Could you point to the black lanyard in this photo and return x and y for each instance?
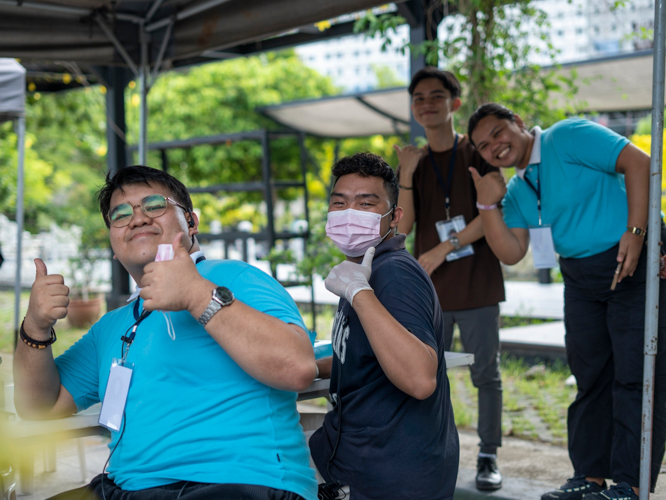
(446, 188)
(128, 339)
(537, 190)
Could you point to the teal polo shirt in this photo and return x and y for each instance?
(192, 413)
(582, 197)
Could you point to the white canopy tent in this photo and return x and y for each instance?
(12, 107)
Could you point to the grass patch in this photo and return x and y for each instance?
(538, 402)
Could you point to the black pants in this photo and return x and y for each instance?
(182, 489)
(604, 341)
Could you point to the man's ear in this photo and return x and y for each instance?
(397, 215)
(519, 121)
(456, 104)
(193, 224)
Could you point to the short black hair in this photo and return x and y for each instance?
(369, 165)
(138, 174)
(489, 109)
(447, 78)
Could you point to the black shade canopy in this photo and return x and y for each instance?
(179, 32)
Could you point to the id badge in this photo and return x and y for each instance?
(444, 230)
(543, 247)
(115, 397)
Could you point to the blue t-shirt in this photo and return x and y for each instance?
(192, 413)
(582, 197)
(392, 445)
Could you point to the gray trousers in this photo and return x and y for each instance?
(479, 332)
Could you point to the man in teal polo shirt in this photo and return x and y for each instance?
(582, 191)
(201, 401)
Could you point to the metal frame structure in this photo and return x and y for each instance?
(266, 185)
(654, 228)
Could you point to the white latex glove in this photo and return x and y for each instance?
(347, 278)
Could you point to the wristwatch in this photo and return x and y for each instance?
(222, 297)
(453, 239)
(638, 231)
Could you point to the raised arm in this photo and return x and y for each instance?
(509, 245)
(38, 393)
(409, 157)
(409, 363)
(276, 353)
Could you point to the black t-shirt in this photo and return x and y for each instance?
(392, 445)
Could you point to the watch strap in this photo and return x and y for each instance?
(638, 231)
(213, 307)
(455, 242)
(216, 303)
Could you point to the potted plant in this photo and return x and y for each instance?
(85, 302)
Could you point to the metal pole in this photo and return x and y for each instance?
(268, 186)
(143, 111)
(304, 173)
(19, 223)
(654, 232)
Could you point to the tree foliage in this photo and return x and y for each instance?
(490, 45)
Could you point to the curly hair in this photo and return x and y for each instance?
(369, 165)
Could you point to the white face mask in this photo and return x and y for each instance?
(354, 231)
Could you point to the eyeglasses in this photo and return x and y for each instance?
(152, 206)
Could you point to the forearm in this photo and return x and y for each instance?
(36, 381)
(406, 202)
(277, 354)
(408, 363)
(473, 232)
(325, 365)
(506, 246)
(637, 183)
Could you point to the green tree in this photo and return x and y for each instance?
(223, 98)
(489, 45)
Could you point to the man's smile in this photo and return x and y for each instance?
(141, 234)
(503, 153)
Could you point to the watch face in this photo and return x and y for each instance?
(224, 295)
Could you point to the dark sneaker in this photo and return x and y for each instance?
(574, 489)
(488, 476)
(619, 491)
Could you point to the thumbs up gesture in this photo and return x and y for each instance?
(49, 299)
(490, 188)
(347, 278)
(169, 285)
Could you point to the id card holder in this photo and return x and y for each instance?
(115, 396)
(543, 247)
(444, 230)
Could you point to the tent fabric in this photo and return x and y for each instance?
(620, 83)
(359, 115)
(12, 89)
(38, 34)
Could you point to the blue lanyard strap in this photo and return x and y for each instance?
(446, 188)
(537, 191)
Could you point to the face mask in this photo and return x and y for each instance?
(354, 231)
(165, 252)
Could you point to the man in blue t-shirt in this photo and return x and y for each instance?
(581, 190)
(391, 433)
(213, 352)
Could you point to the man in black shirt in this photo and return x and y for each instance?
(391, 433)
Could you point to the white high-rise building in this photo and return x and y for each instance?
(579, 30)
(353, 61)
